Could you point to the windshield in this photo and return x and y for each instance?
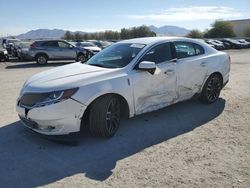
(24, 44)
(116, 56)
(87, 44)
(104, 43)
(13, 40)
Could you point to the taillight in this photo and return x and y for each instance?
(33, 45)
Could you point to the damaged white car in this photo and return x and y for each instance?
(126, 79)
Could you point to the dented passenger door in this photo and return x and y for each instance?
(192, 69)
(157, 90)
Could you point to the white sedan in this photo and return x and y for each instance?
(126, 79)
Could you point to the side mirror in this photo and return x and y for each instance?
(147, 66)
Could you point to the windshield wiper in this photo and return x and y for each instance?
(97, 65)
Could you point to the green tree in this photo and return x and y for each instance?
(68, 36)
(78, 37)
(220, 29)
(136, 32)
(195, 33)
(125, 34)
(247, 32)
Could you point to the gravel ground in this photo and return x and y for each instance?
(186, 145)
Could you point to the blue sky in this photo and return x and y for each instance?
(18, 16)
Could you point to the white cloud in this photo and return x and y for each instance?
(192, 13)
(9, 31)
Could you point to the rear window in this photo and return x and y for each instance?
(188, 49)
(199, 50)
(49, 43)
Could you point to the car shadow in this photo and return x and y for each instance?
(30, 161)
(22, 65)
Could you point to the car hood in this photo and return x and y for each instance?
(94, 48)
(65, 77)
(24, 49)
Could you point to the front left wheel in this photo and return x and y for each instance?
(104, 117)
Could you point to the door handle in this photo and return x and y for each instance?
(203, 64)
(169, 72)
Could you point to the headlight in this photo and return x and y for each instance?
(31, 100)
(5, 52)
(56, 96)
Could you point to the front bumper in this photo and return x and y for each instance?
(24, 56)
(3, 56)
(56, 119)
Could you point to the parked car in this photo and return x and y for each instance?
(226, 44)
(89, 46)
(3, 54)
(14, 48)
(204, 41)
(44, 50)
(244, 42)
(9, 43)
(128, 78)
(101, 44)
(216, 45)
(23, 50)
(234, 43)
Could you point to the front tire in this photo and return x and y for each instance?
(212, 88)
(104, 118)
(81, 58)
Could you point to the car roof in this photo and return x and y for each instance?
(149, 40)
(45, 40)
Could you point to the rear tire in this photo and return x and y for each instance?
(211, 90)
(104, 117)
(41, 59)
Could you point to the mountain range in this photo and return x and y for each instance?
(169, 30)
(166, 30)
(44, 33)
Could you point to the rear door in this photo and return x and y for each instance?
(191, 68)
(50, 48)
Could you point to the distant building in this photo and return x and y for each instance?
(240, 26)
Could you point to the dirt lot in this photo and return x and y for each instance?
(186, 145)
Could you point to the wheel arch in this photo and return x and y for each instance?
(206, 78)
(124, 110)
(80, 53)
(217, 73)
(41, 53)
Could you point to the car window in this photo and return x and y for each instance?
(158, 54)
(62, 44)
(188, 49)
(50, 44)
(199, 50)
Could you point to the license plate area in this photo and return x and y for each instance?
(29, 123)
